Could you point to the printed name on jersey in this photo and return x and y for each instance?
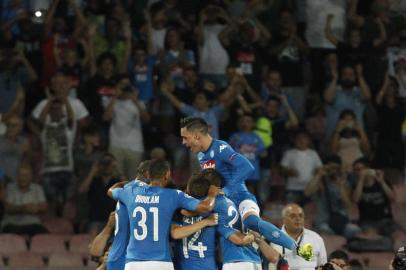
(146, 199)
(222, 147)
(210, 164)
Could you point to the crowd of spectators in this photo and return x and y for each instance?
(311, 92)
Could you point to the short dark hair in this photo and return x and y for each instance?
(158, 169)
(198, 186)
(106, 56)
(194, 124)
(142, 168)
(362, 160)
(215, 178)
(347, 112)
(339, 254)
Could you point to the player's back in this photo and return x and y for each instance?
(150, 211)
(197, 251)
(221, 156)
(229, 222)
(117, 252)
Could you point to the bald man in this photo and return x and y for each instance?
(293, 225)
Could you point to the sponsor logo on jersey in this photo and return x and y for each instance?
(210, 164)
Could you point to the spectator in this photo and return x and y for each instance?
(14, 147)
(84, 156)
(176, 58)
(251, 146)
(355, 264)
(57, 138)
(299, 164)
(15, 73)
(340, 258)
(126, 111)
(331, 193)
(315, 125)
(201, 106)
(357, 50)
(396, 56)
(141, 71)
(272, 87)
(213, 58)
(346, 95)
(102, 175)
(350, 141)
(100, 87)
(155, 27)
(373, 195)
(391, 113)
(24, 201)
(293, 225)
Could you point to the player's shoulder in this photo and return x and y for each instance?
(135, 183)
(219, 146)
(223, 202)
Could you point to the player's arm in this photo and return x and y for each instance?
(98, 245)
(207, 204)
(179, 232)
(240, 164)
(241, 239)
(271, 254)
(116, 186)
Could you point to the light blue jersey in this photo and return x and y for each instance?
(233, 166)
(150, 211)
(230, 223)
(197, 251)
(116, 257)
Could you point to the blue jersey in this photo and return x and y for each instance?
(250, 146)
(230, 223)
(197, 251)
(116, 257)
(150, 211)
(234, 167)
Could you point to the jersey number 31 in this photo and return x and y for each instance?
(142, 232)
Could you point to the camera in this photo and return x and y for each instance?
(399, 262)
(327, 266)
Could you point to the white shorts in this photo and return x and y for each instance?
(242, 266)
(149, 265)
(248, 206)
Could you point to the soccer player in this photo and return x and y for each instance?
(150, 210)
(235, 169)
(120, 224)
(199, 250)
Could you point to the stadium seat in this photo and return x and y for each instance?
(79, 243)
(64, 260)
(58, 226)
(333, 242)
(12, 243)
(46, 244)
(25, 259)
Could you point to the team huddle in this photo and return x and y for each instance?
(215, 205)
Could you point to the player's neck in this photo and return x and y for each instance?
(155, 183)
(206, 142)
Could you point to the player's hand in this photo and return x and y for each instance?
(213, 191)
(249, 239)
(212, 220)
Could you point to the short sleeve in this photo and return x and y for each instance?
(185, 201)
(38, 109)
(187, 109)
(79, 109)
(118, 194)
(286, 159)
(317, 160)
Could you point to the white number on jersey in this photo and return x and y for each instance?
(116, 219)
(232, 212)
(192, 246)
(143, 232)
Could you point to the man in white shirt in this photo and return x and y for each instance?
(293, 225)
(299, 165)
(126, 111)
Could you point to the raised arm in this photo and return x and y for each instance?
(356, 196)
(382, 92)
(315, 183)
(365, 91)
(167, 89)
(207, 204)
(179, 232)
(293, 121)
(327, 30)
(382, 33)
(330, 92)
(49, 19)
